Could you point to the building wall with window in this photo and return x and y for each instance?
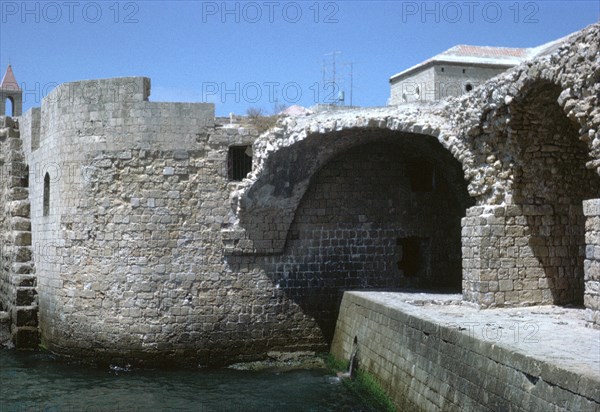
(416, 88)
(440, 80)
(457, 79)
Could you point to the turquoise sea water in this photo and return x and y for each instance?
(38, 382)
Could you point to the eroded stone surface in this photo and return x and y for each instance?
(147, 251)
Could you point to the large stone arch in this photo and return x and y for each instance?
(363, 221)
(539, 125)
(549, 185)
(374, 218)
(286, 160)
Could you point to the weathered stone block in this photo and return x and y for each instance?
(25, 316)
(22, 238)
(26, 338)
(591, 207)
(20, 208)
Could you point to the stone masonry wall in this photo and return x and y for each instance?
(130, 255)
(500, 267)
(18, 295)
(429, 361)
(114, 255)
(361, 225)
(591, 209)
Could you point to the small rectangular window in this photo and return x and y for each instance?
(239, 162)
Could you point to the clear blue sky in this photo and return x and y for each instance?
(256, 53)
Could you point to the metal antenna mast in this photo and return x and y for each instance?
(333, 79)
(351, 75)
(337, 81)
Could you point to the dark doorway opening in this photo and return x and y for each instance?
(411, 256)
(239, 162)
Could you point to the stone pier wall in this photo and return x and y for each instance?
(445, 357)
(591, 209)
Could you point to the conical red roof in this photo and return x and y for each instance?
(8, 81)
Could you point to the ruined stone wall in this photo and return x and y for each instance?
(537, 130)
(529, 148)
(531, 250)
(18, 294)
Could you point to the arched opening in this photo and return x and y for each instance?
(550, 183)
(9, 107)
(46, 204)
(385, 215)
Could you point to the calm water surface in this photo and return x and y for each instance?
(38, 382)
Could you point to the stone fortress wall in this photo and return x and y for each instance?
(145, 250)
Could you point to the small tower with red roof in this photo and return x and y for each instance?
(10, 91)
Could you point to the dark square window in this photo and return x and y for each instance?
(411, 260)
(239, 162)
(421, 175)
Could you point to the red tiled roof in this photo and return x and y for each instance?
(485, 51)
(8, 81)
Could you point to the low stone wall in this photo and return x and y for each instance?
(450, 357)
(591, 209)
